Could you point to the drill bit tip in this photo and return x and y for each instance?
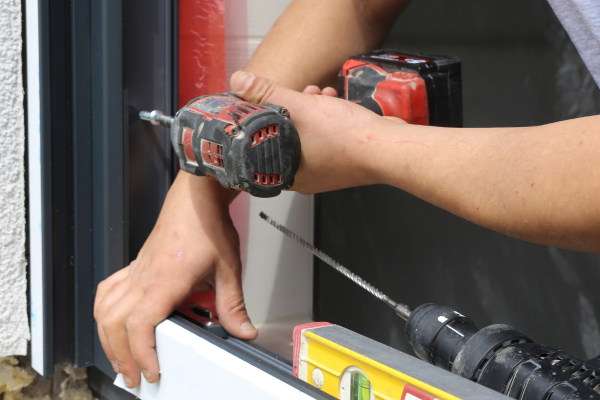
(401, 309)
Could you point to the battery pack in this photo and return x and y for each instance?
(421, 89)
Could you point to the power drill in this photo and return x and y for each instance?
(245, 146)
(497, 356)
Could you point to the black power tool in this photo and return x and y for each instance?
(499, 357)
(244, 146)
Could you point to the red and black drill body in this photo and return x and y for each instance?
(245, 146)
(421, 89)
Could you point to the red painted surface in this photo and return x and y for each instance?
(297, 336)
(201, 67)
(410, 393)
(212, 154)
(204, 300)
(351, 64)
(188, 134)
(264, 134)
(225, 108)
(201, 48)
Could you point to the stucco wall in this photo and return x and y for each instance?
(14, 328)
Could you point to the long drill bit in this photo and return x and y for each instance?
(401, 309)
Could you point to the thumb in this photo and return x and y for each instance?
(258, 90)
(229, 301)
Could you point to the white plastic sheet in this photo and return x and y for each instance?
(193, 368)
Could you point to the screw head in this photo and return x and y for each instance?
(234, 131)
(240, 186)
(284, 112)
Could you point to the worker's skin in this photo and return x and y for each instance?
(540, 184)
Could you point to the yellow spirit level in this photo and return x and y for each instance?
(350, 366)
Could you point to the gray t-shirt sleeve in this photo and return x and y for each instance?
(581, 20)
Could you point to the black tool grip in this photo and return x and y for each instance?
(499, 357)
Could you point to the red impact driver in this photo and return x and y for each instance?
(242, 145)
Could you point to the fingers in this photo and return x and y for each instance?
(101, 309)
(106, 285)
(108, 291)
(230, 305)
(329, 91)
(258, 90)
(312, 89)
(158, 303)
(126, 320)
(315, 90)
(113, 325)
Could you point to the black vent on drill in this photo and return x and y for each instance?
(241, 110)
(266, 156)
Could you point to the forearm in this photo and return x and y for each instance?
(540, 184)
(313, 38)
(202, 190)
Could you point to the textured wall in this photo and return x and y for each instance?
(14, 329)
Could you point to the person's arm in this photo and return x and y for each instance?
(540, 184)
(194, 246)
(313, 38)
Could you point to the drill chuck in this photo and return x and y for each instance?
(156, 118)
(499, 357)
(438, 333)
